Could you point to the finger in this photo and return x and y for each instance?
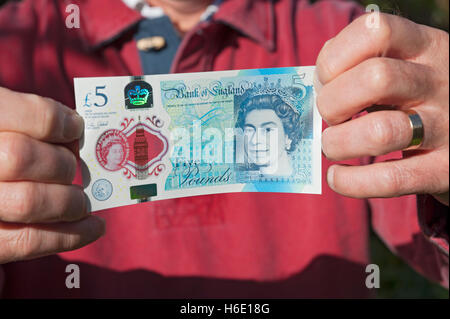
(24, 158)
(379, 81)
(27, 202)
(419, 174)
(370, 135)
(74, 147)
(21, 242)
(395, 37)
(38, 117)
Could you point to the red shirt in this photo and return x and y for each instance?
(230, 245)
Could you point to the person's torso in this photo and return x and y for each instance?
(228, 245)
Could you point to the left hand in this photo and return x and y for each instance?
(401, 64)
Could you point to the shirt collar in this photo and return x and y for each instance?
(253, 18)
(156, 12)
(103, 21)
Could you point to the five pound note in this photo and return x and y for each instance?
(167, 136)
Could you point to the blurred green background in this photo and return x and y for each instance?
(430, 12)
(398, 280)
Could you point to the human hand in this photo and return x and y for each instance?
(400, 64)
(41, 213)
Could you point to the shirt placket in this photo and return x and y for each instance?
(196, 51)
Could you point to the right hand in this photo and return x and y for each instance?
(41, 212)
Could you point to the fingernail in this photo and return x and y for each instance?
(330, 177)
(87, 204)
(316, 82)
(73, 126)
(323, 144)
(101, 224)
(97, 228)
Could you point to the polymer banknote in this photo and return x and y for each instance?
(158, 137)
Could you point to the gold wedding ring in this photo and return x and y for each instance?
(418, 131)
